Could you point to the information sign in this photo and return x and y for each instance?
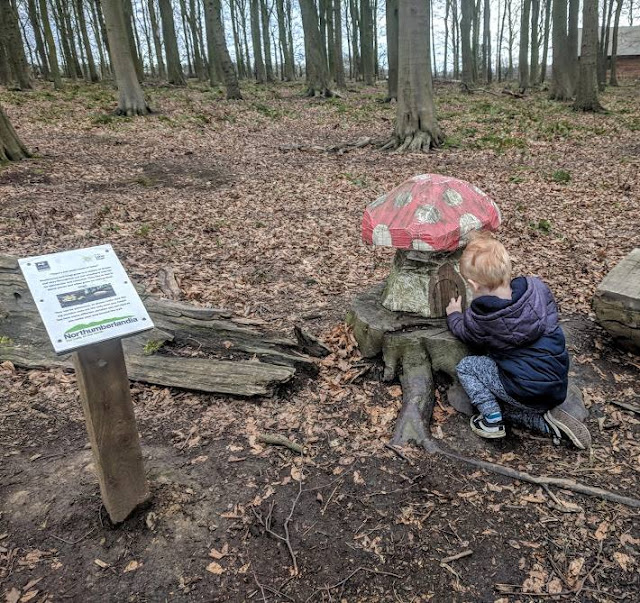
(84, 296)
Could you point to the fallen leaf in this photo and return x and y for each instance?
(555, 586)
(215, 568)
(131, 566)
(31, 584)
(601, 532)
(357, 479)
(296, 473)
(629, 539)
(215, 554)
(623, 560)
(100, 563)
(13, 596)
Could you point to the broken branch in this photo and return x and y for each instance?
(278, 440)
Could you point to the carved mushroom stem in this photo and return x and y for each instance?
(417, 393)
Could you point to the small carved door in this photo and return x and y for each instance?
(445, 285)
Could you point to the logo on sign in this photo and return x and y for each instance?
(85, 329)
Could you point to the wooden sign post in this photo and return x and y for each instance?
(88, 304)
(108, 411)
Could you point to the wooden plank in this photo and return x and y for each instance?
(111, 424)
(236, 377)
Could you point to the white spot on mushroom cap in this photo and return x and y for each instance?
(403, 199)
(377, 203)
(427, 214)
(452, 197)
(381, 236)
(421, 178)
(469, 222)
(479, 191)
(420, 245)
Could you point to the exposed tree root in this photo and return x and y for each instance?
(336, 148)
(133, 111)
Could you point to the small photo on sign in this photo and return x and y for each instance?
(84, 296)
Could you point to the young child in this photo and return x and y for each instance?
(524, 376)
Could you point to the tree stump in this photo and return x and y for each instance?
(414, 348)
(617, 302)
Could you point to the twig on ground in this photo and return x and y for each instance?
(459, 555)
(351, 575)
(264, 597)
(72, 542)
(322, 512)
(506, 589)
(562, 483)
(399, 453)
(629, 407)
(266, 524)
(279, 440)
(561, 506)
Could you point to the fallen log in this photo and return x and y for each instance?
(247, 361)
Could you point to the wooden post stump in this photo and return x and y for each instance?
(413, 347)
(617, 302)
(108, 410)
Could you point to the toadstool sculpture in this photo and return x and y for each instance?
(427, 219)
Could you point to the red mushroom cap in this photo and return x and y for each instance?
(429, 212)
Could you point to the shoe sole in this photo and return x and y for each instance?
(571, 427)
(496, 435)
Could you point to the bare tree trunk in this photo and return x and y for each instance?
(475, 28)
(195, 35)
(155, 32)
(604, 43)
(289, 23)
(545, 42)
(131, 36)
(511, 21)
(103, 29)
(131, 98)
(523, 59)
(11, 148)
(455, 38)
(51, 45)
(535, 42)
(447, 10)
(587, 89)
(266, 40)
(188, 41)
(5, 69)
(614, 46)
(174, 68)
(84, 32)
(392, 48)
(317, 72)
(237, 42)
(218, 47)
(146, 28)
(327, 7)
(287, 72)
(366, 39)
(37, 35)
(499, 38)
(13, 44)
(486, 46)
(98, 37)
(467, 52)
(261, 74)
(417, 128)
(572, 42)
(337, 45)
(355, 39)
(561, 88)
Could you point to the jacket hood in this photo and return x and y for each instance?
(530, 314)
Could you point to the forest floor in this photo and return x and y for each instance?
(207, 187)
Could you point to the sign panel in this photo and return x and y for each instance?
(84, 296)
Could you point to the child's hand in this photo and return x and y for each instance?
(455, 305)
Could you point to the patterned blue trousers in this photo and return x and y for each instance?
(480, 378)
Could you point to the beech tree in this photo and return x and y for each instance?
(561, 83)
(131, 99)
(523, 60)
(392, 49)
(317, 70)
(467, 51)
(217, 45)
(613, 78)
(260, 71)
(13, 46)
(174, 68)
(587, 89)
(11, 148)
(417, 128)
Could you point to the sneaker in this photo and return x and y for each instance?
(487, 430)
(562, 423)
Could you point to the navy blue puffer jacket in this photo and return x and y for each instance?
(524, 338)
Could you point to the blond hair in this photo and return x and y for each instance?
(486, 261)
